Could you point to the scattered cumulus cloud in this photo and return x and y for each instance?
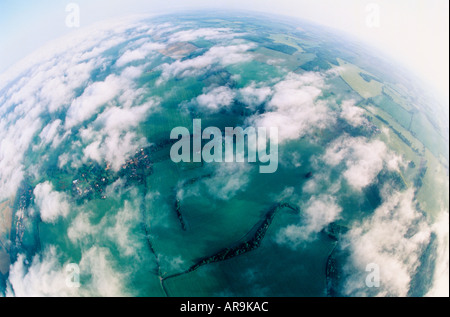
(51, 204)
(94, 96)
(228, 180)
(105, 280)
(114, 228)
(53, 134)
(440, 285)
(253, 96)
(317, 213)
(217, 55)
(205, 33)
(295, 108)
(138, 54)
(46, 275)
(216, 98)
(394, 239)
(15, 139)
(352, 114)
(363, 159)
(111, 139)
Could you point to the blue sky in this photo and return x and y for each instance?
(414, 32)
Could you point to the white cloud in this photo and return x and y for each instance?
(441, 274)
(102, 93)
(105, 281)
(116, 228)
(110, 137)
(319, 212)
(130, 73)
(322, 182)
(253, 96)
(139, 53)
(216, 98)
(393, 238)
(49, 132)
(15, 138)
(63, 159)
(53, 133)
(352, 114)
(159, 31)
(44, 277)
(123, 119)
(206, 33)
(316, 214)
(95, 95)
(114, 149)
(59, 89)
(80, 228)
(363, 159)
(217, 55)
(51, 204)
(295, 108)
(228, 180)
(125, 221)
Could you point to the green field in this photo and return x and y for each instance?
(351, 74)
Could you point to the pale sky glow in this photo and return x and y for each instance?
(413, 32)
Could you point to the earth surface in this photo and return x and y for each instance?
(357, 207)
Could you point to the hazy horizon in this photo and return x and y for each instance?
(413, 33)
